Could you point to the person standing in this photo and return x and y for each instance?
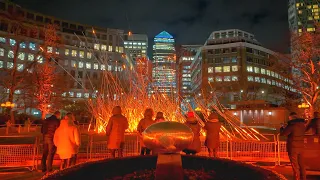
(74, 157)
(212, 127)
(314, 124)
(159, 117)
(67, 140)
(115, 131)
(143, 124)
(48, 129)
(295, 144)
(193, 124)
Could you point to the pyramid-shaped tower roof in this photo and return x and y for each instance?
(164, 34)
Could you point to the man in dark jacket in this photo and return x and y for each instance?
(295, 144)
(48, 129)
(315, 124)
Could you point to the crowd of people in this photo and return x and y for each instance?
(295, 131)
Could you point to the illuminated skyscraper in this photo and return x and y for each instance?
(164, 64)
(303, 14)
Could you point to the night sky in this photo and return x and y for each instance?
(189, 21)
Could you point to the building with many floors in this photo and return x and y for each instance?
(164, 64)
(85, 53)
(236, 67)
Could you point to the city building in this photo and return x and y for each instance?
(164, 64)
(303, 15)
(185, 56)
(236, 67)
(79, 55)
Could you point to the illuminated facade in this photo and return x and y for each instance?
(164, 64)
(303, 14)
(77, 56)
(236, 67)
(185, 55)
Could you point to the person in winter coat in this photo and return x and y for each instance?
(212, 127)
(314, 124)
(193, 124)
(143, 124)
(159, 117)
(115, 131)
(48, 129)
(295, 144)
(73, 159)
(67, 140)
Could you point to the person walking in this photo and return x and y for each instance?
(115, 131)
(159, 117)
(212, 127)
(48, 129)
(143, 124)
(295, 144)
(67, 140)
(314, 124)
(193, 124)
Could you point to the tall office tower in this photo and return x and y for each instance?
(303, 15)
(164, 65)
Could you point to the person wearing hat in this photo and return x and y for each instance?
(212, 127)
(193, 124)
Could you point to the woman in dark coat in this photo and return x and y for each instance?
(212, 126)
(193, 124)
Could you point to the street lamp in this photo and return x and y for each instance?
(8, 105)
(303, 106)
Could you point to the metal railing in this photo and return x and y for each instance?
(94, 147)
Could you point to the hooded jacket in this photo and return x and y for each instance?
(66, 139)
(193, 124)
(295, 131)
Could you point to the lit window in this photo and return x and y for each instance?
(218, 78)
(79, 95)
(30, 57)
(21, 56)
(103, 67)
(210, 69)
(71, 94)
(250, 78)
(88, 65)
(49, 49)
(103, 47)
(263, 80)
(234, 59)
(210, 79)
(1, 52)
(300, 30)
(9, 65)
(256, 70)
(40, 59)
(218, 69)
(12, 42)
(66, 52)
(249, 68)
(23, 45)
(316, 17)
(80, 64)
(20, 67)
(257, 79)
(86, 95)
(276, 75)
(234, 78)
(121, 50)
(32, 46)
(226, 68)
(315, 6)
(66, 62)
(74, 53)
(117, 49)
(1, 64)
(268, 72)
(234, 68)
(110, 48)
(10, 54)
(109, 68)
(73, 63)
(311, 29)
(81, 54)
(273, 82)
(227, 78)
(263, 71)
(95, 66)
(272, 73)
(2, 40)
(96, 46)
(89, 55)
(269, 81)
